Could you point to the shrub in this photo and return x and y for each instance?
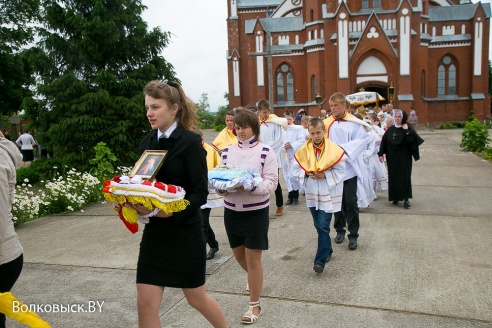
(453, 125)
(475, 136)
(487, 153)
(104, 159)
(58, 195)
(447, 126)
(220, 127)
(27, 174)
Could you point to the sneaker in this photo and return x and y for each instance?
(318, 268)
(339, 238)
(352, 244)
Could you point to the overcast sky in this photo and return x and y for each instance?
(198, 45)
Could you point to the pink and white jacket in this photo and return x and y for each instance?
(251, 154)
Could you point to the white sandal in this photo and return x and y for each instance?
(251, 318)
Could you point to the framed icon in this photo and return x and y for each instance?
(149, 164)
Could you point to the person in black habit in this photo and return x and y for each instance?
(400, 143)
(172, 250)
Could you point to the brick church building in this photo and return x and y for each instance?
(431, 56)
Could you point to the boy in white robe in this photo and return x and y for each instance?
(293, 139)
(320, 169)
(350, 133)
(271, 133)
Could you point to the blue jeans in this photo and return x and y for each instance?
(322, 224)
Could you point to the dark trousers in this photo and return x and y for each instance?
(207, 229)
(279, 198)
(9, 272)
(349, 215)
(294, 194)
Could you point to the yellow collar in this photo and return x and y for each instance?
(224, 139)
(330, 155)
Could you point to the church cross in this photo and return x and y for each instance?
(269, 53)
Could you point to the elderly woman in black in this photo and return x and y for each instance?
(172, 251)
(400, 143)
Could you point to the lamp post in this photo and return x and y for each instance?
(318, 102)
(391, 93)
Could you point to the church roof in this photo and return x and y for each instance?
(284, 24)
(451, 38)
(258, 3)
(458, 12)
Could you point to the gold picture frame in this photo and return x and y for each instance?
(149, 164)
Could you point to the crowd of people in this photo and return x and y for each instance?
(338, 160)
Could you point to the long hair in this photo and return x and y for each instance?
(173, 93)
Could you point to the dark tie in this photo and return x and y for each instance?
(164, 142)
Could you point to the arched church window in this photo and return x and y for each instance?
(376, 3)
(452, 80)
(441, 80)
(280, 88)
(447, 76)
(285, 83)
(365, 4)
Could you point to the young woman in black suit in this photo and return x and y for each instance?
(172, 251)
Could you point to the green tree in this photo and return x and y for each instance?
(221, 113)
(16, 31)
(93, 60)
(206, 119)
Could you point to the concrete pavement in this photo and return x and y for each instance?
(430, 266)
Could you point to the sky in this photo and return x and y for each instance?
(198, 44)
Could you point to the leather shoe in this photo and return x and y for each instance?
(406, 204)
(318, 268)
(339, 238)
(280, 211)
(296, 201)
(395, 202)
(211, 253)
(352, 244)
(288, 202)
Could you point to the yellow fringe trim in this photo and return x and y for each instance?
(28, 318)
(131, 215)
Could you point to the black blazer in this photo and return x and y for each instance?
(185, 165)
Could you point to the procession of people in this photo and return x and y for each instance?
(338, 161)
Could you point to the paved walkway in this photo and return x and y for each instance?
(430, 266)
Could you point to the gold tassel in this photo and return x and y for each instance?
(129, 214)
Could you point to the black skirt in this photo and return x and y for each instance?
(27, 155)
(172, 254)
(248, 228)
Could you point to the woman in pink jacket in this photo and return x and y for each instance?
(246, 212)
